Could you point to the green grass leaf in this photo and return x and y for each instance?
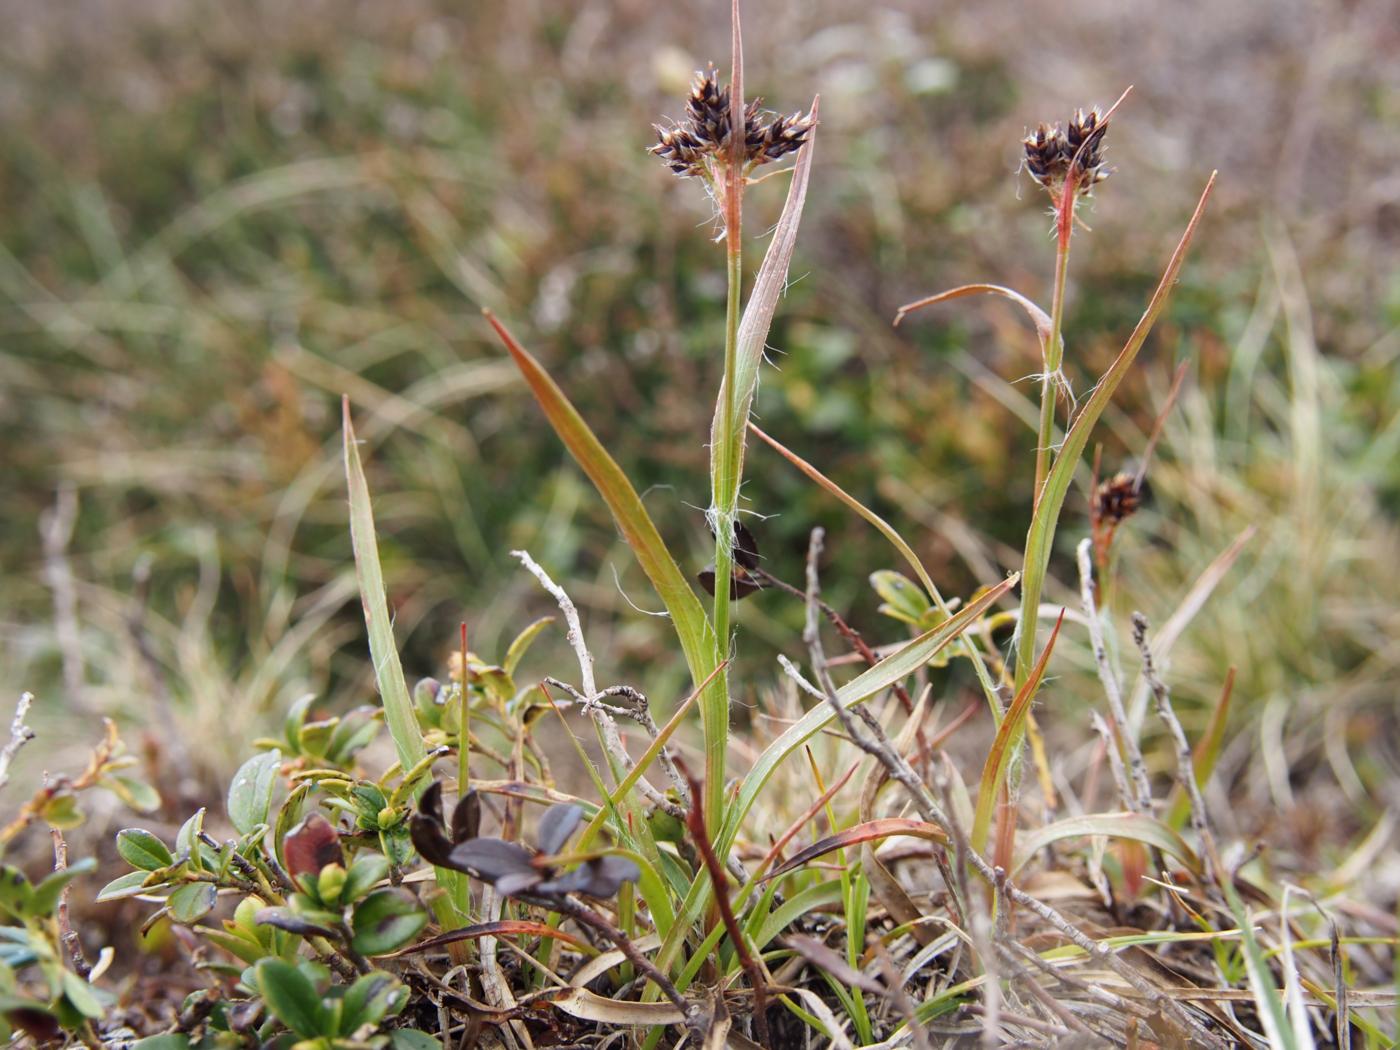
(687, 614)
(1041, 536)
(388, 672)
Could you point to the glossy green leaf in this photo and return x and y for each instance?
(15, 892)
(139, 848)
(290, 996)
(901, 597)
(413, 1039)
(187, 839)
(162, 1042)
(250, 792)
(386, 920)
(82, 996)
(136, 794)
(191, 902)
(370, 999)
(127, 885)
(366, 870)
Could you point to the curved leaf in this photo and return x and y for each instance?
(1038, 317)
(870, 831)
(1137, 827)
(1008, 735)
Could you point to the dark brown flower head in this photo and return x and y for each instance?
(1084, 139)
(1045, 155)
(780, 136)
(703, 138)
(707, 108)
(1119, 498)
(1051, 152)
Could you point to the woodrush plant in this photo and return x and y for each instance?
(684, 911)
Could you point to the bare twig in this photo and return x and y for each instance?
(1123, 736)
(588, 695)
(1115, 758)
(55, 531)
(20, 734)
(67, 934)
(1186, 766)
(1048, 1001)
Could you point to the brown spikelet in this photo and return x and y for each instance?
(1052, 152)
(1120, 497)
(702, 139)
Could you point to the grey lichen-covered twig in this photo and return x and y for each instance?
(1185, 764)
(588, 696)
(20, 734)
(55, 531)
(1122, 733)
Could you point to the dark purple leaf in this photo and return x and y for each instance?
(430, 804)
(576, 881)
(745, 547)
(607, 874)
(490, 859)
(425, 828)
(557, 824)
(35, 1022)
(466, 817)
(519, 882)
(311, 845)
(739, 586)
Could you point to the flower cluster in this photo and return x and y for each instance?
(1053, 152)
(688, 147)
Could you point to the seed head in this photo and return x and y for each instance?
(1119, 498)
(1052, 152)
(702, 139)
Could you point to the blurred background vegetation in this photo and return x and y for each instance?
(217, 218)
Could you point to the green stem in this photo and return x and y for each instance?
(724, 480)
(1033, 569)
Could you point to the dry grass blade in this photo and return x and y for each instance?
(1008, 735)
(768, 288)
(1186, 611)
(503, 928)
(1137, 827)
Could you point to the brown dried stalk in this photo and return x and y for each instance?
(695, 820)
